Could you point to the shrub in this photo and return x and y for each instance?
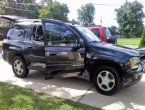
(142, 41)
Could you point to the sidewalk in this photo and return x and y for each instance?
(78, 90)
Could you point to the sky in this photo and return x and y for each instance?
(106, 12)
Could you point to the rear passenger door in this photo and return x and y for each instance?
(59, 53)
(35, 47)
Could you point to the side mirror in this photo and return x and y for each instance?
(81, 42)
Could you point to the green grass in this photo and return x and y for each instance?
(127, 41)
(17, 98)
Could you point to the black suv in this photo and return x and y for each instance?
(63, 49)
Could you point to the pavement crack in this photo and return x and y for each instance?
(84, 93)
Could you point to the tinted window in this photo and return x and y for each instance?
(59, 35)
(96, 32)
(17, 32)
(37, 33)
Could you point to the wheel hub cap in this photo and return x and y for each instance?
(18, 67)
(106, 80)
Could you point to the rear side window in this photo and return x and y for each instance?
(17, 32)
(37, 33)
(96, 32)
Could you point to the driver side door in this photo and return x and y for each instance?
(59, 48)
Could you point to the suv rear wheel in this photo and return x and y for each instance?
(107, 80)
(19, 67)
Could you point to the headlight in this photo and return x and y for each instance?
(134, 62)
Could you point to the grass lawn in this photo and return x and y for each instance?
(125, 41)
(17, 98)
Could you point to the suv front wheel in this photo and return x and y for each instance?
(107, 80)
(19, 67)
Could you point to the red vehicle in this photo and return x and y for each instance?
(103, 33)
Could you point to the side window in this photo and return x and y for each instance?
(59, 35)
(17, 32)
(37, 33)
(96, 32)
(107, 33)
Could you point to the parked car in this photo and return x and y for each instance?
(63, 50)
(103, 33)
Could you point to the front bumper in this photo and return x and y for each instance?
(132, 76)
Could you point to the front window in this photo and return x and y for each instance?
(89, 35)
(59, 35)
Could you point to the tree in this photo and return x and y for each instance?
(113, 30)
(73, 21)
(54, 10)
(130, 19)
(24, 8)
(142, 41)
(86, 14)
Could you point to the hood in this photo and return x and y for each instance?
(10, 18)
(119, 53)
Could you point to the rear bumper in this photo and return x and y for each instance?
(132, 76)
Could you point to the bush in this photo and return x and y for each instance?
(142, 41)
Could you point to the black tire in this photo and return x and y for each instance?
(115, 78)
(23, 66)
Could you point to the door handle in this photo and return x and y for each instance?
(29, 47)
(52, 54)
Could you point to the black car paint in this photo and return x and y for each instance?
(90, 52)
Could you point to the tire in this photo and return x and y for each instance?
(19, 67)
(107, 80)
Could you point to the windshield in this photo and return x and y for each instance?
(89, 35)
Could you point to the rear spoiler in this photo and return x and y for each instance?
(10, 18)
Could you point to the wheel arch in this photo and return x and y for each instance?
(100, 63)
(14, 54)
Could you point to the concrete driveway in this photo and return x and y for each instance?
(132, 98)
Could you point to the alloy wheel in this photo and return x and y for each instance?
(106, 80)
(18, 67)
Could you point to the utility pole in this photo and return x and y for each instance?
(126, 1)
(101, 20)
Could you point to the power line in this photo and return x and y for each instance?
(35, 4)
(20, 3)
(20, 9)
